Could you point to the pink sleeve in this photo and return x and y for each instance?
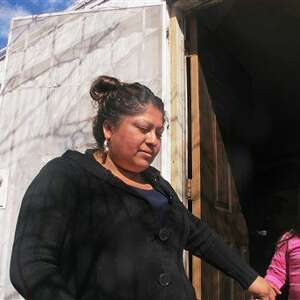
(276, 272)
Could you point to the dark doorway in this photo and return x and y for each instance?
(249, 53)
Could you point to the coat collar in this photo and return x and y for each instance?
(88, 162)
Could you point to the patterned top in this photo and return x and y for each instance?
(285, 265)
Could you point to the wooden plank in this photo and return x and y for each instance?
(177, 100)
(223, 200)
(178, 109)
(195, 116)
(195, 140)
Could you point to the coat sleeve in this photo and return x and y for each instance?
(206, 244)
(276, 272)
(44, 216)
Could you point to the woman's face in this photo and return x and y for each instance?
(135, 141)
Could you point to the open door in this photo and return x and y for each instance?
(214, 196)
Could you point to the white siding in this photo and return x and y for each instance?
(2, 63)
(45, 106)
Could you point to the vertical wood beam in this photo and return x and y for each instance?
(178, 117)
(178, 103)
(195, 140)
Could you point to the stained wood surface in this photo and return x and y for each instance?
(213, 193)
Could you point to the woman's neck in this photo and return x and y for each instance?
(128, 177)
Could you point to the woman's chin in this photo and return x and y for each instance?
(140, 165)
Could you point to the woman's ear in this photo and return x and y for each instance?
(107, 129)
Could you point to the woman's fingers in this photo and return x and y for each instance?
(262, 290)
(275, 288)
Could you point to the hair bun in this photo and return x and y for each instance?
(102, 86)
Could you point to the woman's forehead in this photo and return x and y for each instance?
(150, 113)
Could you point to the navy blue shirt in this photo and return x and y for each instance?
(157, 200)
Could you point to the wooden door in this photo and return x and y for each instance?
(214, 196)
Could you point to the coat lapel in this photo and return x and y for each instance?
(135, 205)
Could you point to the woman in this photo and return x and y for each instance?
(105, 225)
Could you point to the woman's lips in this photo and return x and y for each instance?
(149, 154)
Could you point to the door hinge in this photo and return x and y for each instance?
(189, 189)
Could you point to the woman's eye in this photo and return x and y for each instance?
(159, 134)
(143, 129)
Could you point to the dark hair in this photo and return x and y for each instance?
(294, 231)
(117, 99)
(292, 226)
(289, 234)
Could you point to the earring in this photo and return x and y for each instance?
(105, 146)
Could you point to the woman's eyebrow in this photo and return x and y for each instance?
(148, 123)
(145, 122)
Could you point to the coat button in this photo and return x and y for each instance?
(164, 234)
(164, 279)
(171, 198)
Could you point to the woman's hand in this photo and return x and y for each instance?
(261, 289)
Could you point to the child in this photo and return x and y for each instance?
(285, 264)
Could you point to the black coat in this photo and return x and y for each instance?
(84, 234)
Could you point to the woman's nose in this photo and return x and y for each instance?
(151, 138)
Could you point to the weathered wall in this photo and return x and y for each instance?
(2, 63)
(45, 106)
